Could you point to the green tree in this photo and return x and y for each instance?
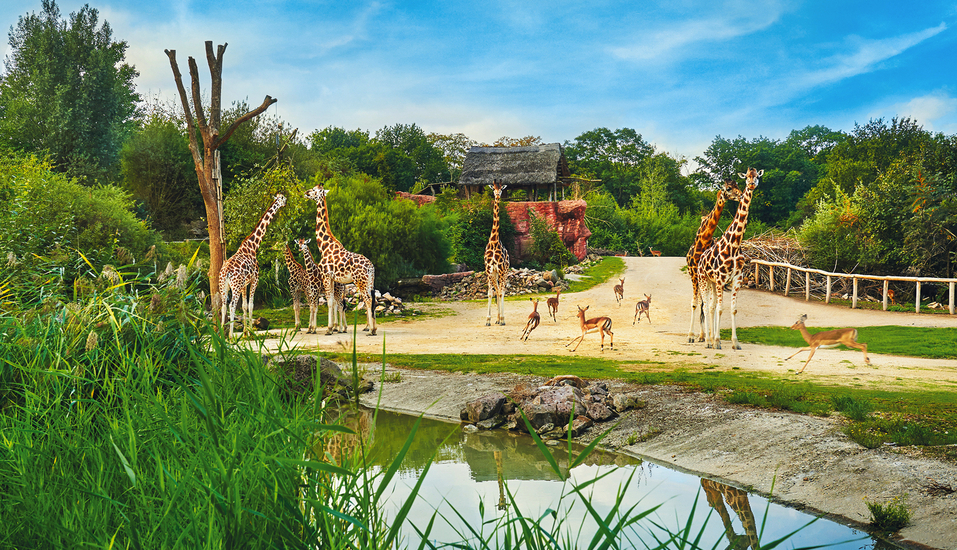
(411, 141)
(158, 170)
(454, 147)
(67, 91)
(616, 157)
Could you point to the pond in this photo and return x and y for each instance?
(479, 478)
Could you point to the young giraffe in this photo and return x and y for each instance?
(338, 265)
(496, 261)
(723, 264)
(241, 270)
(298, 283)
(702, 242)
(314, 290)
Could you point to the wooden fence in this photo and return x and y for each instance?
(853, 276)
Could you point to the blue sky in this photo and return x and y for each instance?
(679, 72)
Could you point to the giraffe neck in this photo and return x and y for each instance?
(711, 221)
(493, 237)
(307, 257)
(290, 258)
(251, 243)
(736, 229)
(325, 240)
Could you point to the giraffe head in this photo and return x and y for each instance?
(316, 193)
(279, 200)
(497, 188)
(751, 177)
(302, 243)
(730, 192)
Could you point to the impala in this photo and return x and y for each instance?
(827, 339)
(619, 292)
(600, 324)
(552, 304)
(533, 319)
(643, 307)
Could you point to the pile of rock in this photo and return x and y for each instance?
(548, 408)
(385, 304)
(520, 281)
(298, 373)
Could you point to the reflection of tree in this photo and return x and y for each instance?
(718, 494)
(502, 502)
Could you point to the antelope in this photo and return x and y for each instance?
(643, 307)
(654, 252)
(533, 319)
(601, 324)
(890, 296)
(619, 292)
(827, 339)
(553, 305)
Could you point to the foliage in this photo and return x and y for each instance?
(614, 157)
(547, 246)
(471, 226)
(158, 170)
(67, 91)
(454, 147)
(47, 217)
(857, 410)
(890, 516)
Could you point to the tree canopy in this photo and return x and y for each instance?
(67, 91)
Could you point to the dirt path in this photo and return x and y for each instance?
(809, 459)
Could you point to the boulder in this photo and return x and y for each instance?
(484, 407)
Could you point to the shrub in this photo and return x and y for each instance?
(852, 408)
(890, 516)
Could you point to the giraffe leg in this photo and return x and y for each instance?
(719, 305)
(736, 285)
(331, 304)
(233, 302)
(295, 308)
(248, 315)
(223, 304)
(491, 293)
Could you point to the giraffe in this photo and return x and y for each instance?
(719, 493)
(241, 270)
(314, 290)
(298, 283)
(702, 242)
(723, 264)
(496, 261)
(338, 265)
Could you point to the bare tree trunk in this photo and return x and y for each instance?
(209, 186)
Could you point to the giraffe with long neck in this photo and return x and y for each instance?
(723, 264)
(241, 270)
(496, 261)
(298, 282)
(338, 265)
(314, 290)
(702, 241)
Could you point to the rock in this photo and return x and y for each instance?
(485, 407)
(625, 401)
(580, 425)
(599, 412)
(470, 428)
(299, 373)
(492, 423)
(537, 414)
(261, 323)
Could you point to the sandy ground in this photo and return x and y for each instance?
(808, 460)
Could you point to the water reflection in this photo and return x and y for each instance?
(472, 471)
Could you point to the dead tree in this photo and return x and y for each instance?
(207, 160)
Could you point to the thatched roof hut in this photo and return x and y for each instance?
(534, 168)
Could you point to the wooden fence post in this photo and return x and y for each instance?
(827, 297)
(854, 298)
(787, 285)
(917, 299)
(807, 286)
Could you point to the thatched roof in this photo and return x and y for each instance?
(518, 166)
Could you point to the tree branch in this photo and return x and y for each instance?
(198, 99)
(255, 112)
(190, 125)
(215, 63)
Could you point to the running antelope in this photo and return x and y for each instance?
(643, 307)
(827, 339)
(533, 319)
(600, 324)
(553, 305)
(619, 292)
(655, 253)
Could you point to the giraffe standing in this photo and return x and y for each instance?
(298, 283)
(314, 290)
(241, 270)
(496, 261)
(723, 264)
(702, 242)
(338, 265)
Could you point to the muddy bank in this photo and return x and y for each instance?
(809, 461)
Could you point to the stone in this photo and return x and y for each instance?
(625, 401)
(485, 407)
(580, 425)
(599, 412)
(491, 423)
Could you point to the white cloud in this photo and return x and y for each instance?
(656, 43)
(936, 112)
(866, 56)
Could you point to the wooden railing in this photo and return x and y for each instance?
(853, 276)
